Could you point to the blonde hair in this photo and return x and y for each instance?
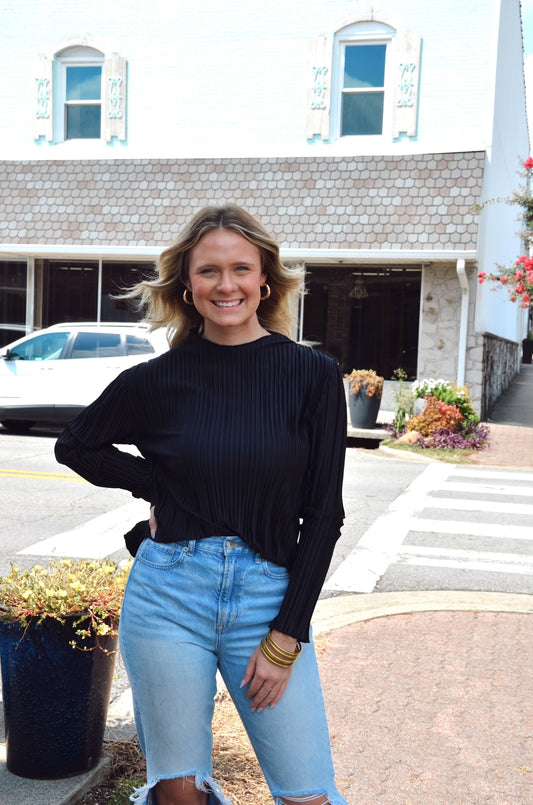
(162, 297)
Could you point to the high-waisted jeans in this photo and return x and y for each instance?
(193, 607)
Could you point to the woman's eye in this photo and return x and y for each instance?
(242, 268)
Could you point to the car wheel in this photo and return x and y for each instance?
(17, 425)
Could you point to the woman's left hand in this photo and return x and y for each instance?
(267, 681)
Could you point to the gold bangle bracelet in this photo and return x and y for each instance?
(283, 652)
(282, 663)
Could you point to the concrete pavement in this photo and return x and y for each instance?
(429, 694)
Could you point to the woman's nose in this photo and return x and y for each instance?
(226, 281)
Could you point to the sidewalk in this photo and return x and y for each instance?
(511, 425)
(429, 694)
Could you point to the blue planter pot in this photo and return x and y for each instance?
(363, 409)
(55, 698)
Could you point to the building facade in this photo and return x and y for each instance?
(361, 134)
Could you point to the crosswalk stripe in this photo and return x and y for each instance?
(496, 530)
(503, 475)
(471, 505)
(465, 560)
(489, 489)
(95, 539)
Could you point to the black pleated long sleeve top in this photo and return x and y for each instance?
(244, 441)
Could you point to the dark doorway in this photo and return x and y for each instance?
(367, 318)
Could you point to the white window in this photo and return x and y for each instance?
(363, 89)
(363, 82)
(79, 99)
(363, 59)
(80, 95)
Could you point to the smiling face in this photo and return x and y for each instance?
(225, 277)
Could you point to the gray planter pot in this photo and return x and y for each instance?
(363, 409)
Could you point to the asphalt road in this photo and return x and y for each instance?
(409, 525)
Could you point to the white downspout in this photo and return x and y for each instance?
(463, 322)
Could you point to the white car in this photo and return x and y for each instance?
(50, 375)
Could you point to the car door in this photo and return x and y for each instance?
(93, 360)
(27, 375)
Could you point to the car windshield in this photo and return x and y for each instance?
(46, 347)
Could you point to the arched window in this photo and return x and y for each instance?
(363, 59)
(80, 95)
(364, 83)
(79, 100)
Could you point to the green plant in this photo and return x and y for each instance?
(437, 415)
(366, 379)
(90, 589)
(404, 399)
(449, 393)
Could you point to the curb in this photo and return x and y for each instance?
(343, 610)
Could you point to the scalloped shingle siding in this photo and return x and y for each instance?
(367, 202)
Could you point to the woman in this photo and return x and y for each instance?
(242, 436)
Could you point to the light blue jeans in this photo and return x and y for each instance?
(194, 606)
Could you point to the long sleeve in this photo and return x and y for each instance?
(87, 445)
(322, 513)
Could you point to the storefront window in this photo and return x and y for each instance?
(13, 278)
(116, 279)
(367, 318)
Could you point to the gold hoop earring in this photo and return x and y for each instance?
(267, 294)
(186, 299)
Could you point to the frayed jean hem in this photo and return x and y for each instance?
(301, 798)
(203, 782)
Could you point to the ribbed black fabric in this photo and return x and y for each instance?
(244, 440)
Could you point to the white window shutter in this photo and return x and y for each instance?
(406, 80)
(43, 120)
(319, 95)
(114, 106)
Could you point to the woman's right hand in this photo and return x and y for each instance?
(152, 522)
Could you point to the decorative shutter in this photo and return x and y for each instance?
(114, 106)
(319, 96)
(405, 113)
(43, 121)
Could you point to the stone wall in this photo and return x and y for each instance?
(500, 366)
(438, 354)
(440, 314)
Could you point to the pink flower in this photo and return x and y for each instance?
(504, 280)
(528, 164)
(482, 275)
(519, 275)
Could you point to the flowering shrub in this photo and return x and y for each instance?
(518, 278)
(88, 588)
(449, 393)
(437, 415)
